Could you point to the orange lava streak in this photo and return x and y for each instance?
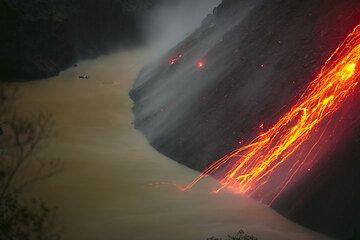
(252, 167)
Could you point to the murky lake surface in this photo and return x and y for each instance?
(107, 188)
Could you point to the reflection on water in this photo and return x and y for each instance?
(107, 188)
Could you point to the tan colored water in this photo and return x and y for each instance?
(106, 189)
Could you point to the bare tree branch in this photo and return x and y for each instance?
(20, 139)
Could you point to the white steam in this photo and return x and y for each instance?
(172, 21)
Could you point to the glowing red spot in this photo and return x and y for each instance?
(200, 64)
(175, 59)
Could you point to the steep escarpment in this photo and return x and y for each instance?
(256, 58)
(40, 38)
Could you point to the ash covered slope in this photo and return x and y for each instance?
(40, 38)
(257, 57)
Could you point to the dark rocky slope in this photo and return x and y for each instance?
(258, 56)
(41, 37)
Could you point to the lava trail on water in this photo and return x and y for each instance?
(276, 157)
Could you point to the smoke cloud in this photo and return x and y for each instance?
(172, 21)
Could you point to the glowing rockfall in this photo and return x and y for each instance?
(275, 157)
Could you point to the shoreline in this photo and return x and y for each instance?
(108, 187)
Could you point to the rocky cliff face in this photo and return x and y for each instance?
(254, 56)
(40, 38)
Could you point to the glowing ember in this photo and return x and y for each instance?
(200, 64)
(276, 157)
(175, 60)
